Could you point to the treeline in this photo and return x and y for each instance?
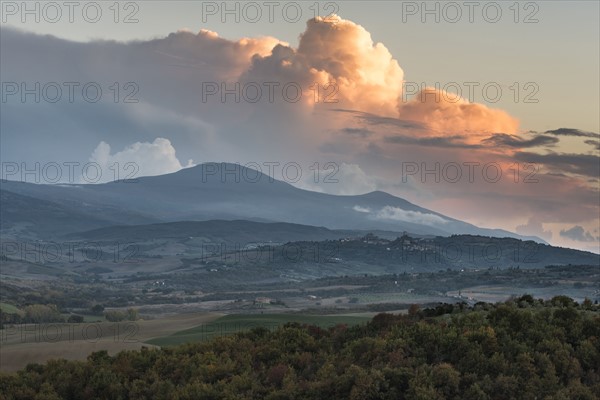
(32, 314)
(521, 349)
(50, 313)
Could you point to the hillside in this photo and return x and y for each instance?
(523, 349)
(212, 191)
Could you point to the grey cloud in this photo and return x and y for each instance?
(582, 164)
(534, 227)
(595, 143)
(513, 141)
(169, 73)
(438, 141)
(578, 233)
(572, 132)
(374, 119)
(361, 132)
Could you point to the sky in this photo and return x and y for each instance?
(487, 112)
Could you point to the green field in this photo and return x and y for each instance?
(8, 308)
(231, 324)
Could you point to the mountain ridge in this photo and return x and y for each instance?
(233, 192)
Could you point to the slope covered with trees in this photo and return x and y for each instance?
(522, 349)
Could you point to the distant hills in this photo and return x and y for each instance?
(218, 231)
(358, 251)
(213, 191)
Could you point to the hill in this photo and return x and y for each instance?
(233, 192)
(522, 349)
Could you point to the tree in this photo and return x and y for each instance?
(75, 319)
(97, 309)
(132, 314)
(114, 316)
(40, 313)
(413, 310)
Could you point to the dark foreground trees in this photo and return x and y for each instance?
(522, 349)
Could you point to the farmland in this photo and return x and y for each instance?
(231, 324)
(21, 345)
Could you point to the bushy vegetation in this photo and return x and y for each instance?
(31, 314)
(521, 349)
(50, 313)
(118, 316)
(232, 323)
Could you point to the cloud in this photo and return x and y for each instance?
(455, 141)
(514, 141)
(171, 72)
(572, 132)
(441, 113)
(581, 164)
(595, 143)
(398, 214)
(534, 227)
(207, 53)
(340, 179)
(334, 50)
(465, 141)
(361, 209)
(138, 159)
(374, 119)
(578, 233)
(361, 132)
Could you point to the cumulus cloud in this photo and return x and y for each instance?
(136, 160)
(209, 53)
(447, 113)
(534, 227)
(334, 50)
(578, 233)
(171, 72)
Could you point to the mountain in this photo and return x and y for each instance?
(230, 192)
(220, 231)
(29, 216)
(213, 231)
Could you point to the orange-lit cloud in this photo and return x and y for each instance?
(333, 50)
(446, 113)
(206, 51)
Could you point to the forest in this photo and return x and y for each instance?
(524, 348)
